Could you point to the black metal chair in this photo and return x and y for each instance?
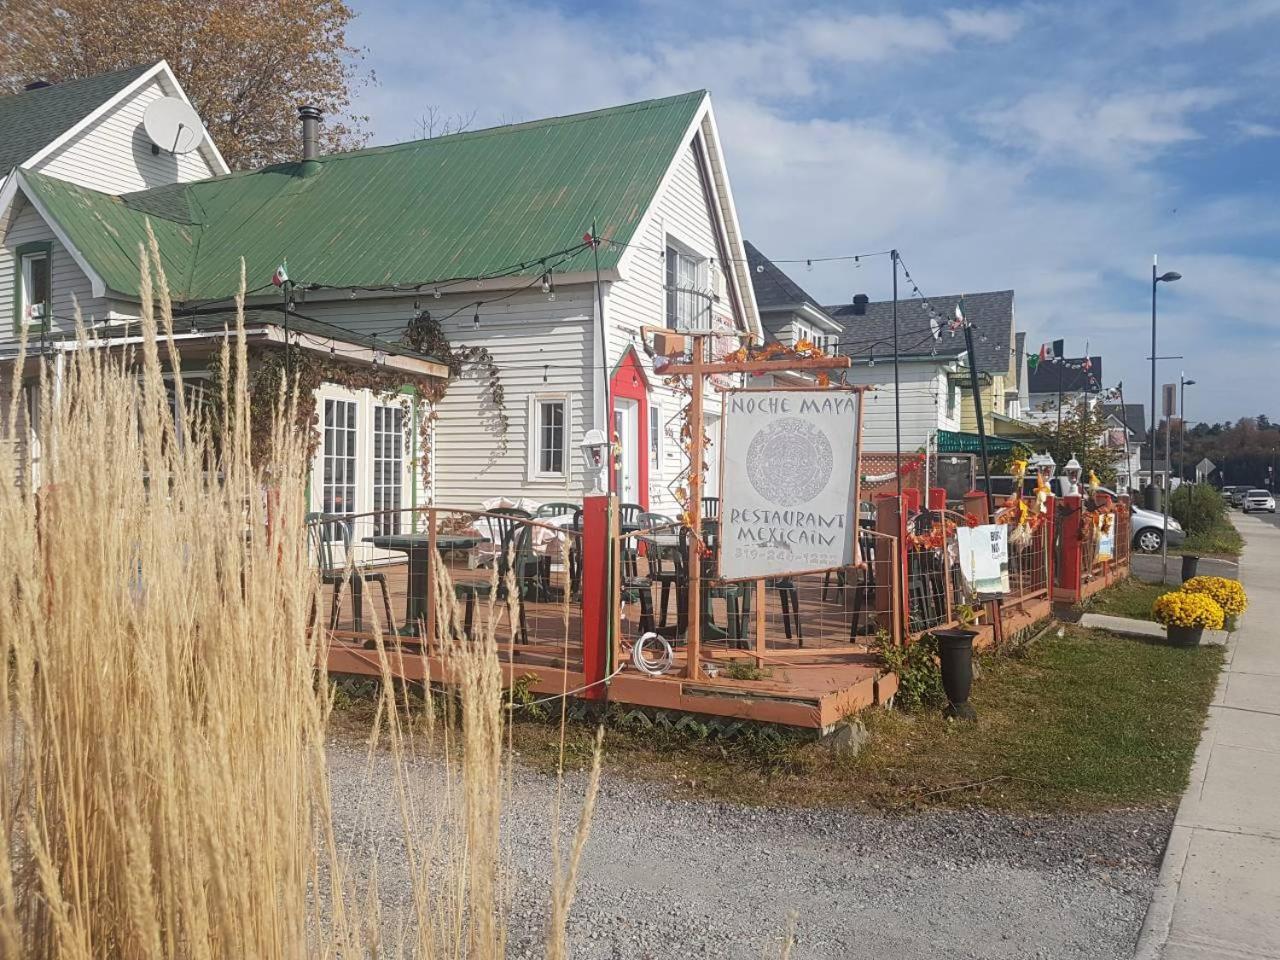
(556, 509)
(337, 575)
(710, 508)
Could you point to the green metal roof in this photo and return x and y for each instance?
(33, 119)
(468, 204)
(952, 441)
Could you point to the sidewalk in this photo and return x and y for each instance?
(1218, 895)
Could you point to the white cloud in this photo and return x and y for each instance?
(1118, 128)
(1249, 130)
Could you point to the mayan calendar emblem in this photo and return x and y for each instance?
(789, 462)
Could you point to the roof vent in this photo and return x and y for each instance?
(37, 85)
(860, 305)
(310, 117)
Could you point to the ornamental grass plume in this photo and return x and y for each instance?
(1178, 608)
(1228, 594)
(164, 788)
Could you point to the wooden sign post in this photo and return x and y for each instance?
(697, 368)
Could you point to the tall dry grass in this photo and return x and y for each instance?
(164, 790)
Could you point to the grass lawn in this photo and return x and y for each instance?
(1128, 598)
(1082, 721)
(1220, 540)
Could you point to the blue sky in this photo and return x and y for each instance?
(1048, 148)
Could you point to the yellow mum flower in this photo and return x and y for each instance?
(1179, 608)
(1228, 594)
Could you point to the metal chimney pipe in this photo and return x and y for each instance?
(310, 117)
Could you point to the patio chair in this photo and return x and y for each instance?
(710, 508)
(556, 509)
(662, 565)
(712, 589)
(515, 555)
(336, 575)
(629, 515)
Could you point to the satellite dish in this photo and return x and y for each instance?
(172, 125)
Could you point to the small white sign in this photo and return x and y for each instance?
(786, 495)
(984, 557)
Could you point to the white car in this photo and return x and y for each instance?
(1259, 500)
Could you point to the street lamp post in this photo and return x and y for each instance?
(1156, 279)
(1182, 426)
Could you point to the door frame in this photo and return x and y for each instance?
(629, 382)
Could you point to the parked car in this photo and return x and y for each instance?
(1238, 495)
(1148, 530)
(1227, 491)
(1256, 500)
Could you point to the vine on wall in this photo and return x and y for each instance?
(269, 368)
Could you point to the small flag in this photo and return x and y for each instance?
(959, 314)
(1033, 360)
(1058, 346)
(1044, 352)
(281, 276)
(934, 326)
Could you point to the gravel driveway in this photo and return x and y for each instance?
(666, 878)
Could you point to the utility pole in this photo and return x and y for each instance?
(977, 407)
(897, 386)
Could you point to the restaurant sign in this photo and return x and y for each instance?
(788, 465)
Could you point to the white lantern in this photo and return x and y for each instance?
(595, 458)
(1072, 473)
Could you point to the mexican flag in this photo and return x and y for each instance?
(281, 276)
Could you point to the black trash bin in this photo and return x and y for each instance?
(1189, 565)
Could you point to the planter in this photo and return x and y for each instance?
(1184, 636)
(955, 650)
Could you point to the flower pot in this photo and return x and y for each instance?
(1184, 636)
(955, 650)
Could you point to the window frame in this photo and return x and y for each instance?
(675, 251)
(533, 465)
(23, 255)
(655, 438)
(387, 470)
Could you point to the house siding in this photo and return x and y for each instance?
(993, 401)
(114, 154)
(70, 286)
(924, 405)
(680, 212)
(530, 338)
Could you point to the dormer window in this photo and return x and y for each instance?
(34, 301)
(688, 299)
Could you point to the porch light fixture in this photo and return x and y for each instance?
(475, 321)
(1045, 466)
(595, 454)
(1072, 473)
(548, 285)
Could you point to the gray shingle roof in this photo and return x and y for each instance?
(990, 313)
(1133, 415)
(1044, 378)
(33, 119)
(774, 289)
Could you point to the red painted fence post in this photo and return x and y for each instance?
(1069, 578)
(937, 498)
(596, 595)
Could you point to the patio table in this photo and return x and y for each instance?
(417, 546)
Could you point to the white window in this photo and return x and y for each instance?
(388, 468)
(338, 486)
(803, 332)
(688, 299)
(549, 443)
(35, 280)
(953, 399)
(655, 436)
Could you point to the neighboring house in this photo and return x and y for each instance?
(788, 315)
(1126, 437)
(90, 132)
(931, 375)
(1065, 381)
(481, 231)
(992, 317)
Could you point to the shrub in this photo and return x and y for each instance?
(1198, 507)
(1178, 608)
(1228, 594)
(917, 668)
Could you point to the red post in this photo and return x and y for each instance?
(596, 595)
(912, 496)
(1047, 531)
(1069, 579)
(937, 498)
(975, 503)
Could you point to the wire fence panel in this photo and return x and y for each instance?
(1029, 546)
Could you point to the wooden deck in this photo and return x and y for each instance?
(812, 682)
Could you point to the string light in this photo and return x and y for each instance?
(475, 321)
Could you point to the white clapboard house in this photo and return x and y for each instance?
(479, 235)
